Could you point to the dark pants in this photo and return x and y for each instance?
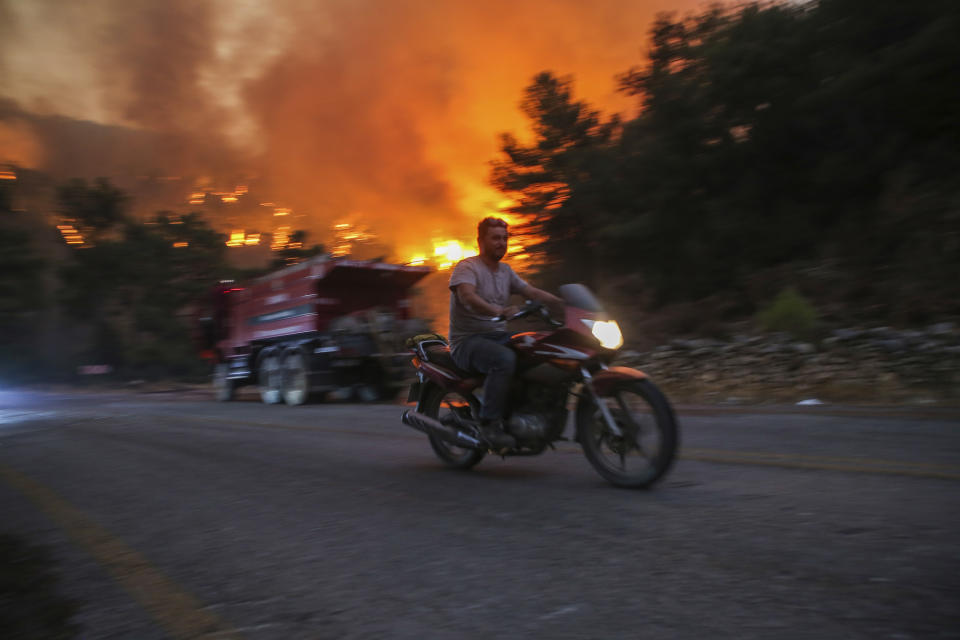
(487, 354)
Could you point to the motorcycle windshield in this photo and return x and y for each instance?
(579, 296)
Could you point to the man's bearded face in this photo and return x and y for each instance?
(494, 243)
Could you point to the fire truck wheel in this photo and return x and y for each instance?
(296, 383)
(224, 389)
(270, 380)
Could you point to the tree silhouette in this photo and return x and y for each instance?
(555, 179)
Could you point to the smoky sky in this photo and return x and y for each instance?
(384, 112)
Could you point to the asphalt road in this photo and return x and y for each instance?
(174, 516)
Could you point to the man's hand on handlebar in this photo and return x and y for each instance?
(506, 313)
(513, 312)
(543, 304)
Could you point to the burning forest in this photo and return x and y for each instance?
(276, 117)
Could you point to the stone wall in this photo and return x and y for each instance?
(873, 365)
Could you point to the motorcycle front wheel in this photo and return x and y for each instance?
(647, 446)
(441, 404)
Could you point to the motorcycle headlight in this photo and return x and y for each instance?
(607, 332)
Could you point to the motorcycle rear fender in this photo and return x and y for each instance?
(446, 379)
(605, 379)
(438, 375)
(428, 372)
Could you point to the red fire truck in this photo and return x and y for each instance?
(322, 325)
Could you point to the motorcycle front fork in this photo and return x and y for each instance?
(604, 409)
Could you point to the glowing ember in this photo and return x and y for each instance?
(70, 233)
(346, 235)
(229, 197)
(237, 238)
(179, 245)
(240, 238)
(281, 238)
(8, 175)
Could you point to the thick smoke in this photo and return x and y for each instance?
(376, 111)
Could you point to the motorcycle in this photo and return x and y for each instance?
(623, 422)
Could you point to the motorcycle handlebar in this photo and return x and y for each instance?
(529, 309)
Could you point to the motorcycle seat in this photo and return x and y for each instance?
(440, 356)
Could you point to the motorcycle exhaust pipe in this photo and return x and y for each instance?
(434, 427)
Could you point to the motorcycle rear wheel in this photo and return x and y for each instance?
(650, 434)
(438, 404)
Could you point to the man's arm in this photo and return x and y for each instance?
(468, 296)
(554, 303)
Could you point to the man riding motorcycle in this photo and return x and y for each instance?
(480, 289)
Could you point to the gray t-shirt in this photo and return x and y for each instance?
(495, 288)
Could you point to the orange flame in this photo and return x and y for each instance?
(447, 253)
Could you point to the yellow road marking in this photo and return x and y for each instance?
(180, 614)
